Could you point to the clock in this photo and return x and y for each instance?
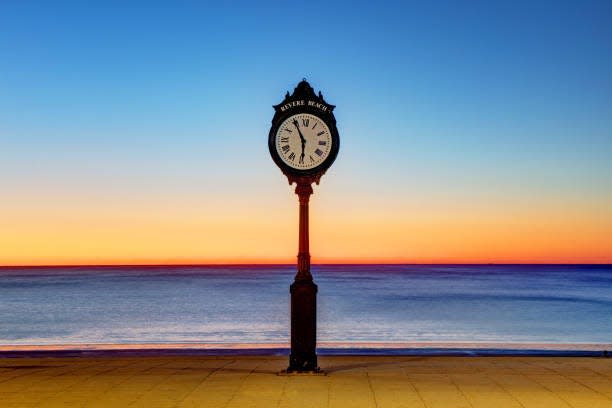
(303, 140)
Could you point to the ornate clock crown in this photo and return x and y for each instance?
(303, 91)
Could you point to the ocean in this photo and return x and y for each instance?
(553, 304)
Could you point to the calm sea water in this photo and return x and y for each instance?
(357, 303)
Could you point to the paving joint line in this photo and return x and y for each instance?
(414, 387)
(214, 370)
(240, 386)
(576, 381)
(371, 388)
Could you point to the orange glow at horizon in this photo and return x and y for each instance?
(236, 233)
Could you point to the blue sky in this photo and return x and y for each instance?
(442, 101)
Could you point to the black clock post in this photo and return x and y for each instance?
(303, 142)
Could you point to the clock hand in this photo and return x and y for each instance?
(303, 144)
(297, 125)
(302, 139)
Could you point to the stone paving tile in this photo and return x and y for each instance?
(376, 382)
(528, 392)
(571, 391)
(392, 388)
(304, 392)
(596, 383)
(481, 391)
(352, 389)
(438, 390)
(220, 385)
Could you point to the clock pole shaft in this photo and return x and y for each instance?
(303, 271)
(303, 356)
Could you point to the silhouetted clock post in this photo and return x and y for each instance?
(303, 142)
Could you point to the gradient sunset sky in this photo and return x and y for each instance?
(469, 133)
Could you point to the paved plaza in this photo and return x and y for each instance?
(377, 382)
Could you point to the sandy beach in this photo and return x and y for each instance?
(350, 381)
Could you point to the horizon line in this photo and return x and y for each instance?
(136, 265)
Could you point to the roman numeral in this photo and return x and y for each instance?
(292, 156)
(288, 130)
(312, 159)
(284, 139)
(285, 148)
(305, 122)
(320, 133)
(322, 142)
(319, 152)
(315, 125)
(301, 159)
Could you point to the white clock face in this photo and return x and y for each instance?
(303, 141)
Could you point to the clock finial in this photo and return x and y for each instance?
(304, 90)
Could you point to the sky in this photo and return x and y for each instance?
(478, 132)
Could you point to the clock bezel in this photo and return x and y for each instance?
(318, 118)
(322, 110)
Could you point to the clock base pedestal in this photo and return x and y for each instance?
(303, 358)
